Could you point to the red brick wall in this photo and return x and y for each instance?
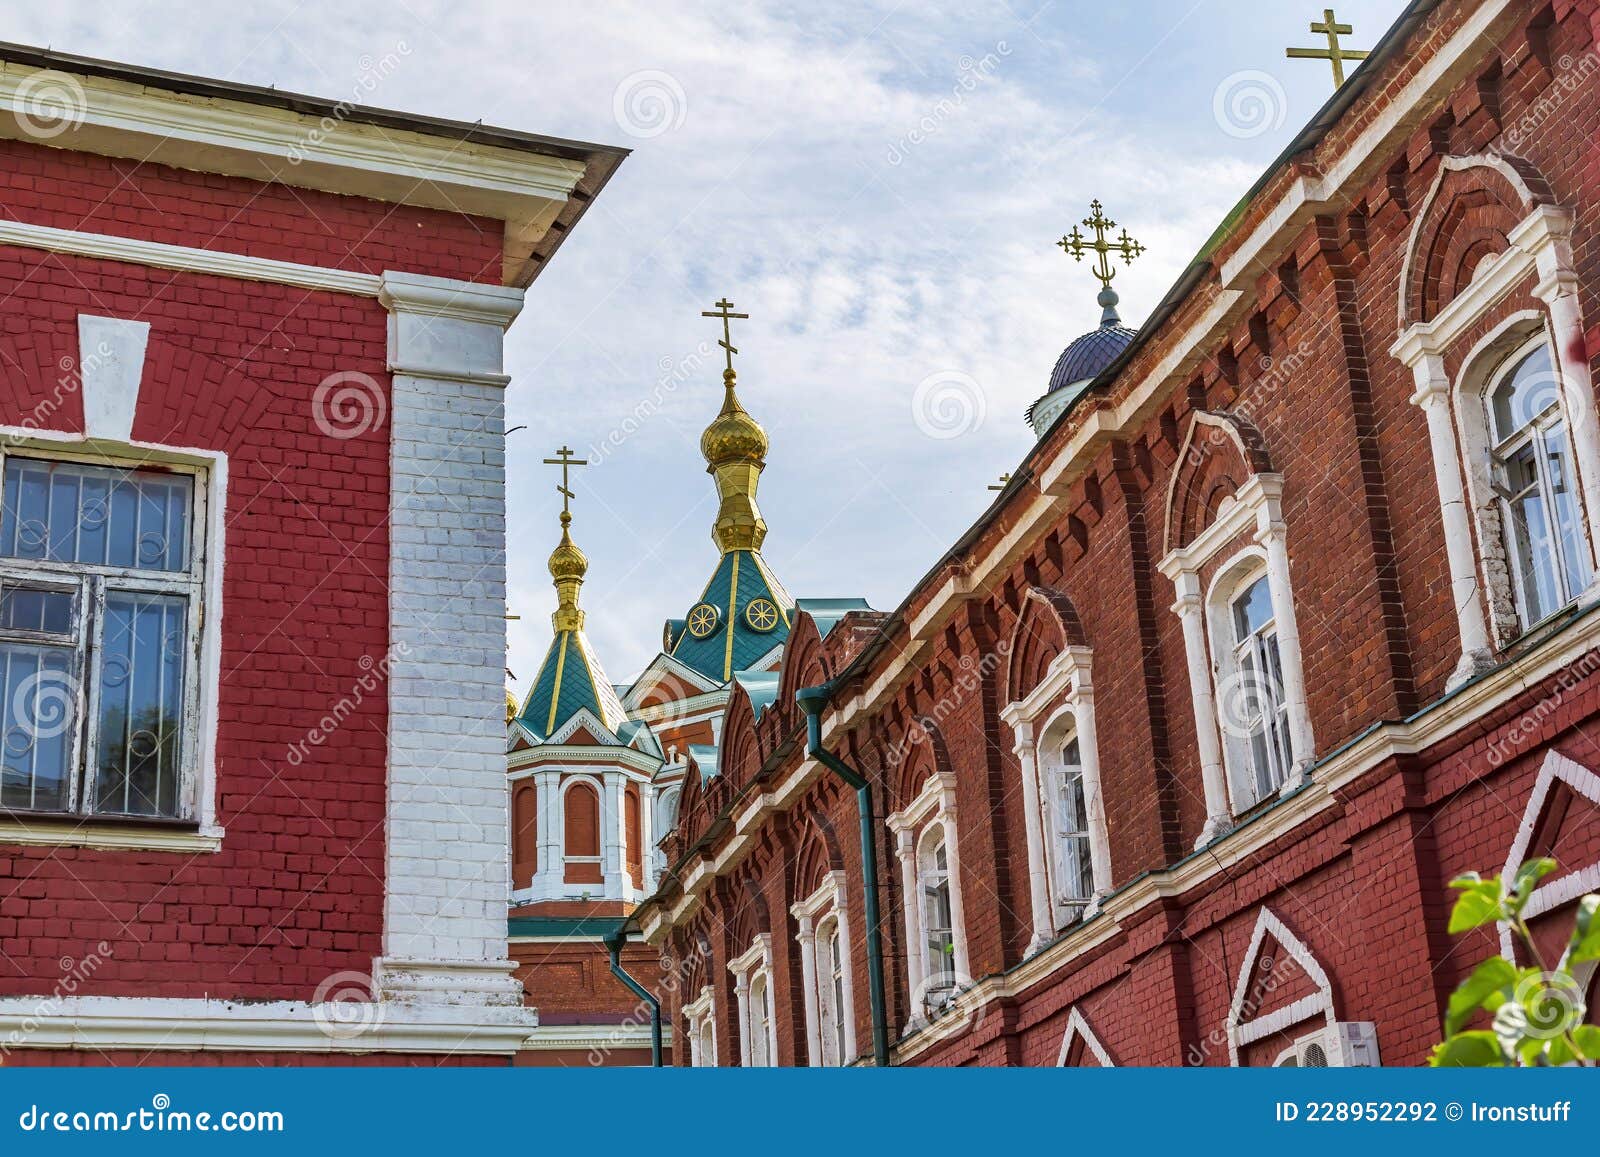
(296, 893)
(1361, 882)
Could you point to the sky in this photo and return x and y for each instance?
(880, 186)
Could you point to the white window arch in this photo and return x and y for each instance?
(1251, 696)
(1490, 610)
(752, 987)
(826, 974)
(1069, 855)
(930, 878)
(700, 1021)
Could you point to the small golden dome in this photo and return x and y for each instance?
(567, 561)
(733, 436)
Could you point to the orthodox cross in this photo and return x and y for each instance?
(1124, 246)
(724, 310)
(566, 461)
(1333, 53)
(1004, 478)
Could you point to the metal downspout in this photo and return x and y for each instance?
(614, 945)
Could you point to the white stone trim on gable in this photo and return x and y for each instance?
(1078, 1029)
(1566, 888)
(1242, 1032)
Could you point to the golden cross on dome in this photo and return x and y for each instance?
(566, 461)
(1333, 53)
(724, 310)
(1124, 246)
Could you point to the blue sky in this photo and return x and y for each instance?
(878, 185)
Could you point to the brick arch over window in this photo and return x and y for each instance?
(819, 855)
(805, 662)
(740, 756)
(1468, 215)
(1220, 452)
(1047, 625)
(923, 752)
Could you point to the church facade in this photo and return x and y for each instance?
(252, 587)
(1289, 617)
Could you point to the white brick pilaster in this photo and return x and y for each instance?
(444, 936)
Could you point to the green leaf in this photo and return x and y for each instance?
(1478, 904)
(1587, 1038)
(1496, 976)
(1526, 880)
(1586, 932)
(1472, 1050)
(1559, 1052)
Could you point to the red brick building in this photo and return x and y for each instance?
(1289, 617)
(252, 584)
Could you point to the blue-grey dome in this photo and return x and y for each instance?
(1089, 354)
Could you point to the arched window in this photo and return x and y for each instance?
(760, 1021)
(667, 811)
(1255, 709)
(581, 835)
(635, 828)
(524, 835)
(1534, 482)
(1069, 821)
(938, 924)
(830, 991)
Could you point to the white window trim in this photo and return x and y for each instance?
(1067, 686)
(1540, 244)
(753, 962)
(1258, 504)
(934, 805)
(1235, 576)
(696, 1017)
(827, 901)
(201, 713)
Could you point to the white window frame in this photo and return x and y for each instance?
(1539, 245)
(828, 982)
(1531, 434)
(1237, 694)
(195, 828)
(1064, 700)
(932, 813)
(700, 1023)
(752, 980)
(1257, 509)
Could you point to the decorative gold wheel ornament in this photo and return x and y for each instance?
(761, 615)
(703, 619)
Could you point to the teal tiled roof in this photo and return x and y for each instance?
(741, 577)
(826, 613)
(570, 680)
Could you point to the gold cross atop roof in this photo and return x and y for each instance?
(1333, 53)
(724, 310)
(1124, 246)
(566, 461)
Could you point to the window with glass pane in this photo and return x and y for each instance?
(1264, 710)
(938, 927)
(98, 589)
(760, 1022)
(1074, 876)
(1534, 482)
(835, 1020)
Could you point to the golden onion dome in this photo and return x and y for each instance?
(567, 562)
(733, 436)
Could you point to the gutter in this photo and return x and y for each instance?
(812, 700)
(614, 944)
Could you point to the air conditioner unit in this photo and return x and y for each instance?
(1343, 1044)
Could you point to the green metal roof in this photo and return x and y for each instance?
(826, 613)
(741, 577)
(587, 927)
(570, 680)
(761, 686)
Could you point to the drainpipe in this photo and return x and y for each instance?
(812, 700)
(614, 945)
